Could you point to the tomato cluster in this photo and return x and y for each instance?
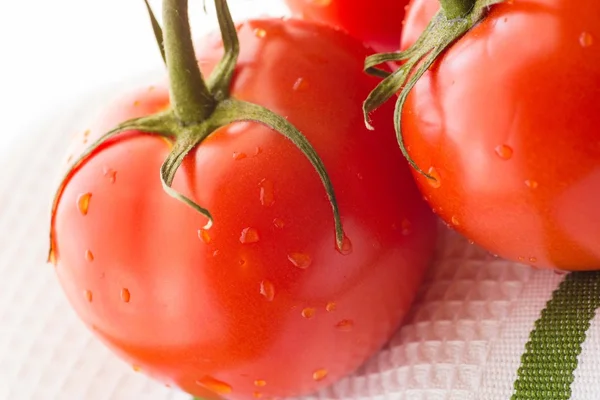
(222, 270)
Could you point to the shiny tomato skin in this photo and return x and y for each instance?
(377, 24)
(508, 119)
(262, 303)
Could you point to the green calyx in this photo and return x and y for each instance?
(455, 18)
(199, 107)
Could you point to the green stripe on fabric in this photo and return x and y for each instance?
(550, 357)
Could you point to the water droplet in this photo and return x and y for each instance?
(260, 33)
(521, 258)
(243, 262)
(308, 312)
(531, 184)
(52, 259)
(300, 260)
(204, 236)
(267, 197)
(260, 383)
(267, 290)
(136, 103)
(504, 152)
(455, 220)
(257, 395)
(110, 174)
(436, 182)
(586, 39)
(346, 248)
(300, 84)
(215, 385)
(320, 374)
(215, 253)
(89, 256)
(136, 368)
(249, 235)
(239, 155)
(532, 259)
(125, 295)
(258, 150)
(83, 203)
(405, 226)
(360, 176)
(345, 325)
(278, 222)
(330, 307)
(88, 295)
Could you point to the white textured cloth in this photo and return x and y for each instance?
(463, 340)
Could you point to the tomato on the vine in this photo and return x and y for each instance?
(377, 24)
(506, 121)
(262, 303)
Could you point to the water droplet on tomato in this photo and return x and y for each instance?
(239, 155)
(455, 220)
(125, 295)
(260, 383)
(83, 203)
(504, 152)
(345, 325)
(521, 258)
(267, 289)
(257, 395)
(204, 236)
(110, 174)
(330, 307)
(300, 84)
(320, 374)
(215, 385)
(346, 248)
(89, 256)
(586, 39)
(532, 259)
(308, 312)
(260, 33)
(88, 295)
(136, 368)
(258, 150)
(531, 184)
(436, 182)
(300, 260)
(243, 262)
(249, 235)
(278, 222)
(267, 197)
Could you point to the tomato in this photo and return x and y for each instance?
(507, 120)
(377, 24)
(262, 303)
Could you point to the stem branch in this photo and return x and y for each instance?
(457, 8)
(190, 98)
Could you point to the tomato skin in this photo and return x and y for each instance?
(507, 118)
(378, 25)
(221, 310)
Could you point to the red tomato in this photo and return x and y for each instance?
(507, 120)
(377, 24)
(262, 302)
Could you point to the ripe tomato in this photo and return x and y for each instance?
(506, 119)
(377, 24)
(262, 302)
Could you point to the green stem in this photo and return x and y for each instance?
(190, 98)
(457, 8)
